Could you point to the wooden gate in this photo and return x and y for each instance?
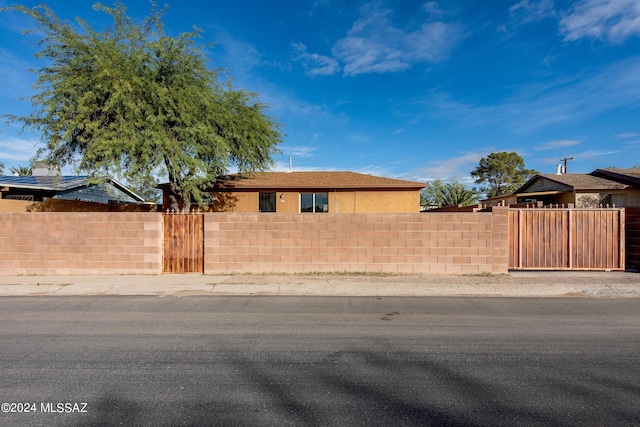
(183, 250)
(566, 239)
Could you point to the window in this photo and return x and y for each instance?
(267, 202)
(314, 202)
(618, 200)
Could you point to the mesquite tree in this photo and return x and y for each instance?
(134, 102)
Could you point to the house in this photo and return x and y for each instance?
(314, 192)
(32, 193)
(602, 187)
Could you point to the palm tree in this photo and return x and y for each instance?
(21, 171)
(455, 193)
(439, 194)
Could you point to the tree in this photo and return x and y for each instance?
(21, 170)
(133, 102)
(442, 194)
(503, 173)
(1, 168)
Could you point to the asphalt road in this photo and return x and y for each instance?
(319, 361)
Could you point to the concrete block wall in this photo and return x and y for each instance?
(76, 243)
(429, 243)
(80, 243)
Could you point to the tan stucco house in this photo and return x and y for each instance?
(602, 187)
(313, 192)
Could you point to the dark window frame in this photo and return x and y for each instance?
(267, 201)
(313, 205)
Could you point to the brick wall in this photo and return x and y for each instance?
(80, 243)
(449, 243)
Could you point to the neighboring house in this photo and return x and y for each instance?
(19, 192)
(315, 192)
(602, 187)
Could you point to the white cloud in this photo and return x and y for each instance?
(375, 45)
(360, 138)
(14, 149)
(580, 157)
(314, 64)
(626, 135)
(432, 9)
(554, 145)
(376, 170)
(595, 153)
(530, 10)
(612, 20)
(454, 168)
(298, 151)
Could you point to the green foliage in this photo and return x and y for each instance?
(22, 171)
(442, 194)
(145, 189)
(132, 102)
(503, 173)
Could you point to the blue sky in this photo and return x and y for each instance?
(407, 89)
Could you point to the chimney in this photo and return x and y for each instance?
(42, 169)
(290, 166)
(559, 169)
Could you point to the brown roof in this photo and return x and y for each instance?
(584, 182)
(316, 180)
(627, 176)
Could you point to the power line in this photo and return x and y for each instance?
(565, 161)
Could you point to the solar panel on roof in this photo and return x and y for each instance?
(50, 182)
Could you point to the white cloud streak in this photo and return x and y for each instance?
(610, 20)
(314, 64)
(298, 151)
(554, 145)
(594, 153)
(18, 149)
(536, 106)
(527, 11)
(454, 168)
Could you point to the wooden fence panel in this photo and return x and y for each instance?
(566, 239)
(632, 227)
(183, 250)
